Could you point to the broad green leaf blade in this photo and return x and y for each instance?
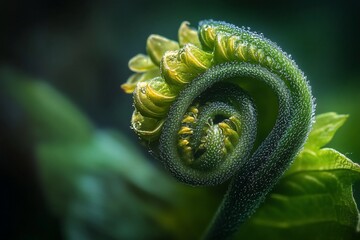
(314, 199)
(308, 206)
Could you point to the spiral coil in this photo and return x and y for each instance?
(221, 103)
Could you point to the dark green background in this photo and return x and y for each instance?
(82, 48)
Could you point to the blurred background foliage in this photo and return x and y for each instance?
(81, 48)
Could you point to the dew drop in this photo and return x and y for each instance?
(137, 125)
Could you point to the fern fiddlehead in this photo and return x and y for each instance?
(221, 103)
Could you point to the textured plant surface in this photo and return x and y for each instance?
(223, 102)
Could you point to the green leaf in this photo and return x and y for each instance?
(51, 116)
(97, 182)
(314, 199)
(324, 129)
